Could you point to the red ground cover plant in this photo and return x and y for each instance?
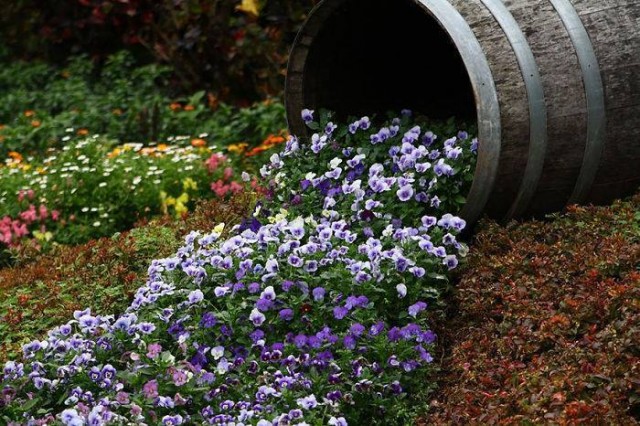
(102, 274)
(546, 327)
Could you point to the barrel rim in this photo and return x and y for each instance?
(486, 99)
(477, 68)
(294, 89)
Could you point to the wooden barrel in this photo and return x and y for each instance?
(554, 86)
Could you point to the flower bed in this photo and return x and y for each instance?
(89, 190)
(317, 315)
(42, 292)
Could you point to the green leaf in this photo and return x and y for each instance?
(30, 404)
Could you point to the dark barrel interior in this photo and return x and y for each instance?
(380, 55)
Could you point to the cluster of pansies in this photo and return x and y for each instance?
(316, 315)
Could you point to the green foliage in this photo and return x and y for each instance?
(119, 99)
(100, 188)
(548, 322)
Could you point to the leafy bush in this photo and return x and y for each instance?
(309, 319)
(548, 323)
(236, 49)
(97, 188)
(39, 104)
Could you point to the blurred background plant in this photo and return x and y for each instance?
(234, 49)
(39, 102)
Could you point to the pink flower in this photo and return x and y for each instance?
(136, 410)
(150, 389)
(5, 237)
(44, 213)
(29, 215)
(154, 350)
(228, 173)
(220, 188)
(55, 214)
(214, 161)
(235, 187)
(179, 400)
(180, 377)
(122, 397)
(19, 229)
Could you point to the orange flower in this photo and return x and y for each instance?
(198, 143)
(163, 147)
(36, 123)
(114, 153)
(189, 108)
(29, 113)
(175, 106)
(2, 126)
(83, 132)
(272, 140)
(16, 156)
(257, 150)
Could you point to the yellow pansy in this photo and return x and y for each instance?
(219, 228)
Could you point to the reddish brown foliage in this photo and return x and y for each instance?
(548, 324)
(101, 274)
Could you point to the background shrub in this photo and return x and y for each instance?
(237, 49)
(119, 99)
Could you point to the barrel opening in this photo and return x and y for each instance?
(373, 56)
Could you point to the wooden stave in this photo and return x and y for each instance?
(601, 189)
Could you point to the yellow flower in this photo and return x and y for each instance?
(279, 217)
(238, 148)
(251, 7)
(43, 236)
(181, 209)
(184, 198)
(218, 228)
(114, 153)
(179, 204)
(188, 184)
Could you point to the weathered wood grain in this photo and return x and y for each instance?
(334, 64)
